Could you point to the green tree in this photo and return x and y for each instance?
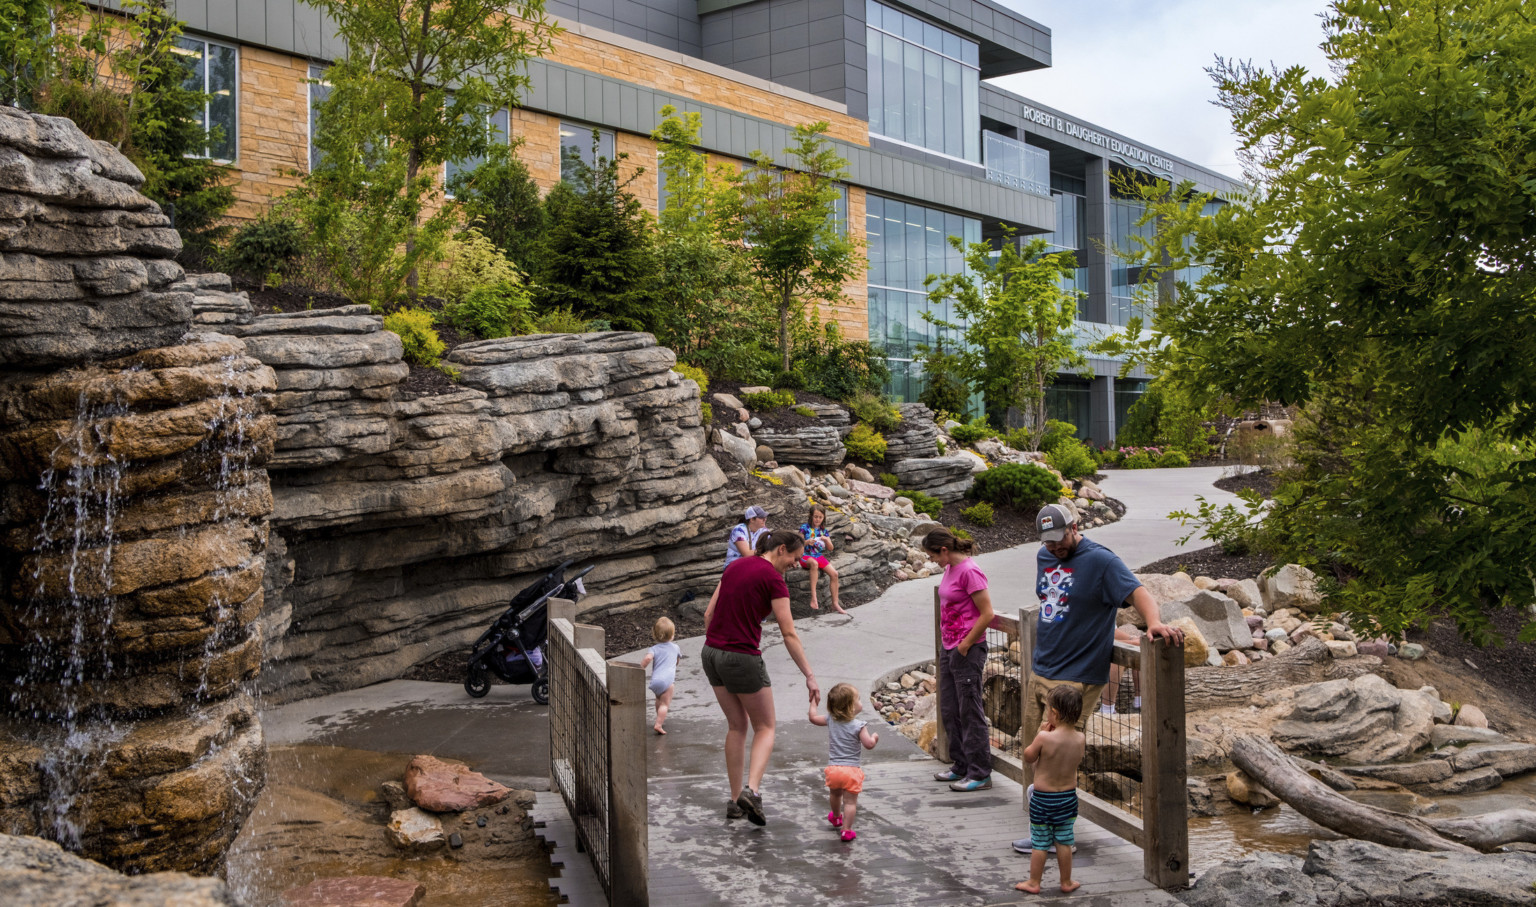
(1383, 276)
(597, 257)
(785, 219)
(419, 77)
(30, 48)
(1018, 322)
(501, 200)
(703, 305)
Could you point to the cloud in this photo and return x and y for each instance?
(1138, 68)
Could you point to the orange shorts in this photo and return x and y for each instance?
(845, 777)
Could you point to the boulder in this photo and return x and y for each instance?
(1342, 648)
(1404, 773)
(1196, 650)
(807, 445)
(439, 786)
(764, 453)
(977, 461)
(859, 473)
(1219, 618)
(1291, 586)
(1365, 720)
(1410, 651)
(742, 450)
(915, 436)
(1245, 790)
(356, 891)
(946, 478)
(1470, 781)
(1470, 716)
(872, 490)
(1508, 759)
(1261, 878)
(1205, 582)
(35, 871)
(1168, 588)
(415, 830)
(1245, 593)
(1450, 735)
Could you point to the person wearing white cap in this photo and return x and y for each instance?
(744, 535)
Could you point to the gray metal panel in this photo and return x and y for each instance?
(591, 98)
(251, 26)
(223, 19)
(194, 12)
(307, 33)
(279, 23)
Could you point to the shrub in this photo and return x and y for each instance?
(1056, 434)
(265, 246)
(1173, 459)
(1139, 460)
(762, 402)
(500, 309)
(1237, 531)
(1071, 459)
(829, 365)
(943, 448)
(414, 326)
(889, 479)
(959, 533)
(975, 430)
(1021, 485)
(560, 320)
(864, 443)
(875, 410)
(980, 513)
(1109, 456)
(807, 412)
(706, 413)
(695, 374)
(924, 503)
(470, 261)
(790, 380)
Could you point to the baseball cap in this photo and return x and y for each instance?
(755, 512)
(1053, 521)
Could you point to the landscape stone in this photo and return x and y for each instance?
(415, 830)
(1291, 586)
(439, 786)
(872, 490)
(1196, 650)
(35, 871)
(1411, 651)
(740, 449)
(1219, 618)
(1470, 781)
(1470, 716)
(1453, 735)
(1245, 790)
(1168, 588)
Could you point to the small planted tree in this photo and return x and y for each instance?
(412, 92)
(1018, 322)
(786, 222)
(501, 200)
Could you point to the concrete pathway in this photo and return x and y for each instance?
(923, 844)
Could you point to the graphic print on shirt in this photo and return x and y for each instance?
(1054, 589)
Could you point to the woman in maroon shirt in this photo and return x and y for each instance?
(750, 589)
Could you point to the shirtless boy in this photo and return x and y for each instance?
(1055, 754)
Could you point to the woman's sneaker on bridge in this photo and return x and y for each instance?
(751, 803)
(971, 784)
(733, 812)
(947, 776)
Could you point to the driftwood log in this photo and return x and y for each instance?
(1310, 662)
(1264, 761)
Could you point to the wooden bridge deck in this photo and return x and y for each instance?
(919, 843)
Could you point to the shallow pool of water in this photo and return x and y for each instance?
(320, 816)
(1218, 839)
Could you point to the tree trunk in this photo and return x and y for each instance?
(784, 332)
(1310, 662)
(1264, 761)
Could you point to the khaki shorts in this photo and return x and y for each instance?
(1040, 688)
(738, 672)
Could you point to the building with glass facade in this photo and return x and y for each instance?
(934, 148)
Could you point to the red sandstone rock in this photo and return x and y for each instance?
(356, 891)
(449, 787)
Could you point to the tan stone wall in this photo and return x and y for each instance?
(641, 165)
(274, 128)
(541, 145)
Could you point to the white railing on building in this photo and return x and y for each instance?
(1013, 163)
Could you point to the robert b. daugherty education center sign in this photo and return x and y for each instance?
(1084, 134)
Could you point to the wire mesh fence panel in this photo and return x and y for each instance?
(578, 743)
(1111, 768)
(1002, 696)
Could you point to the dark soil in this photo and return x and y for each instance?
(1212, 562)
(1264, 481)
(783, 417)
(1510, 668)
(421, 382)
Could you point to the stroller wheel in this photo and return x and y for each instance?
(541, 691)
(478, 682)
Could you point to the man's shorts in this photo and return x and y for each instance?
(845, 777)
(738, 672)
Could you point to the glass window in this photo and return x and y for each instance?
(213, 70)
(1070, 400)
(319, 90)
(499, 123)
(924, 84)
(576, 145)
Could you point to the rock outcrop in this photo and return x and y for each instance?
(916, 436)
(403, 525)
(134, 524)
(946, 478)
(807, 445)
(34, 871)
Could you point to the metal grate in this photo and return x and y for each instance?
(578, 741)
(1111, 768)
(1002, 693)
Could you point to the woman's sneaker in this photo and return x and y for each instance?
(733, 812)
(751, 803)
(947, 776)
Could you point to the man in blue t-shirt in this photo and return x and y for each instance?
(1081, 586)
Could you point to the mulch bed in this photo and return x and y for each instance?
(1511, 668)
(1264, 481)
(421, 382)
(1213, 562)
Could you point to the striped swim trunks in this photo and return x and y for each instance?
(1051, 814)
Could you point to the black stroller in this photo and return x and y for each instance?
(513, 647)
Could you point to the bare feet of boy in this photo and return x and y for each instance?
(1031, 886)
(838, 608)
(1071, 886)
(657, 729)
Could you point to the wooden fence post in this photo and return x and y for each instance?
(628, 841)
(1028, 624)
(587, 636)
(562, 609)
(940, 737)
(1164, 799)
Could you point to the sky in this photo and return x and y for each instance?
(1137, 67)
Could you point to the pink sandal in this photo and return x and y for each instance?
(835, 819)
(850, 834)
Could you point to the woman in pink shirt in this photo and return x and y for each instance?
(965, 612)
